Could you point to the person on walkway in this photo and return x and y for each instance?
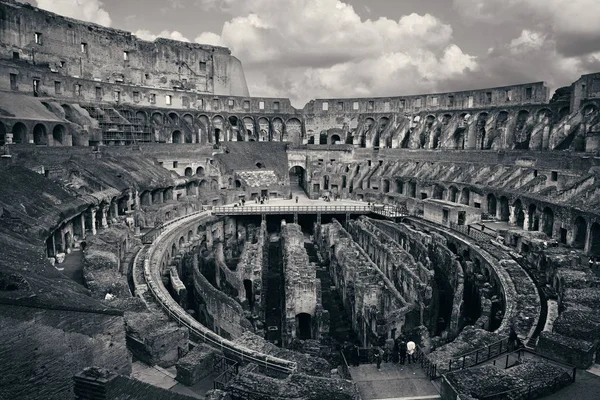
(410, 351)
(355, 356)
(402, 350)
(83, 245)
(296, 199)
(389, 349)
(377, 357)
(512, 339)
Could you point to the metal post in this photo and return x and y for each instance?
(295, 218)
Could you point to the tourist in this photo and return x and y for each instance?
(402, 352)
(296, 199)
(355, 356)
(83, 245)
(243, 202)
(377, 358)
(389, 349)
(410, 351)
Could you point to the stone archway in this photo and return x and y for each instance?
(297, 176)
(40, 135)
(58, 134)
(19, 133)
(579, 232)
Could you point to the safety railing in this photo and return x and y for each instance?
(228, 371)
(478, 356)
(258, 210)
(196, 330)
(537, 389)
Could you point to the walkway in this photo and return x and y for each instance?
(72, 266)
(393, 382)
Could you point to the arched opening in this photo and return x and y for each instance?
(181, 242)
(2, 134)
(481, 132)
(278, 131)
(40, 136)
(177, 137)
(519, 214)
(58, 134)
(465, 197)
(204, 185)
(452, 194)
(249, 294)
(335, 139)
(534, 218)
(595, 239)
(19, 133)
(579, 232)
(438, 192)
(189, 171)
(399, 186)
(173, 250)
(158, 118)
(189, 236)
(297, 178)
(214, 185)
(199, 171)
(303, 326)
(174, 118)
(140, 117)
(522, 132)
(504, 209)
(323, 137)
(237, 183)
(491, 205)
(548, 221)
(386, 186)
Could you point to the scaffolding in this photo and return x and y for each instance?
(120, 127)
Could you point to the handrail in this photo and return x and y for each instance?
(290, 209)
(174, 311)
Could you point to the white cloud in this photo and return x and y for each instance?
(86, 10)
(528, 41)
(145, 34)
(573, 23)
(209, 38)
(315, 48)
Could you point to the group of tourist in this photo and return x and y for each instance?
(393, 350)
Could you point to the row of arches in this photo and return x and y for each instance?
(39, 134)
(579, 233)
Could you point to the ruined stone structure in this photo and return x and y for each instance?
(123, 146)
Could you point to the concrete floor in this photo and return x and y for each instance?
(393, 382)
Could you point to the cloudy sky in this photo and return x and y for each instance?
(305, 49)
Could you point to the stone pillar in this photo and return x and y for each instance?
(8, 138)
(588, 238)
(115, 210)
(62, 240)
(53, 246)
(82, 216)
(93, 215)
(525, 222)
(103, 221)
(512, 219)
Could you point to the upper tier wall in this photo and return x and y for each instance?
(76, 48)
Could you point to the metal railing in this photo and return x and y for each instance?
(258, 210)
(197, 330)
(228, 368)
(478, 356)
(537, 389)
(468, 360)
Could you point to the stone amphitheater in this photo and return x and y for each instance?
(163, 235)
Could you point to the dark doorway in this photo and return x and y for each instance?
(303, 326)
(249, 294)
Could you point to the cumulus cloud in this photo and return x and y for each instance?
(315, 48)
(145, 34)
(572, 23)
(209, 38)
(86, 10)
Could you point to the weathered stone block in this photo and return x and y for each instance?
(572, 351)
(196, 365)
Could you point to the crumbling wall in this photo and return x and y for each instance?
(302, 288)
(376, 306)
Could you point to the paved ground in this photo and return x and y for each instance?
(393, 382)
(585, 387)
(72, 267)
(165, 379)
